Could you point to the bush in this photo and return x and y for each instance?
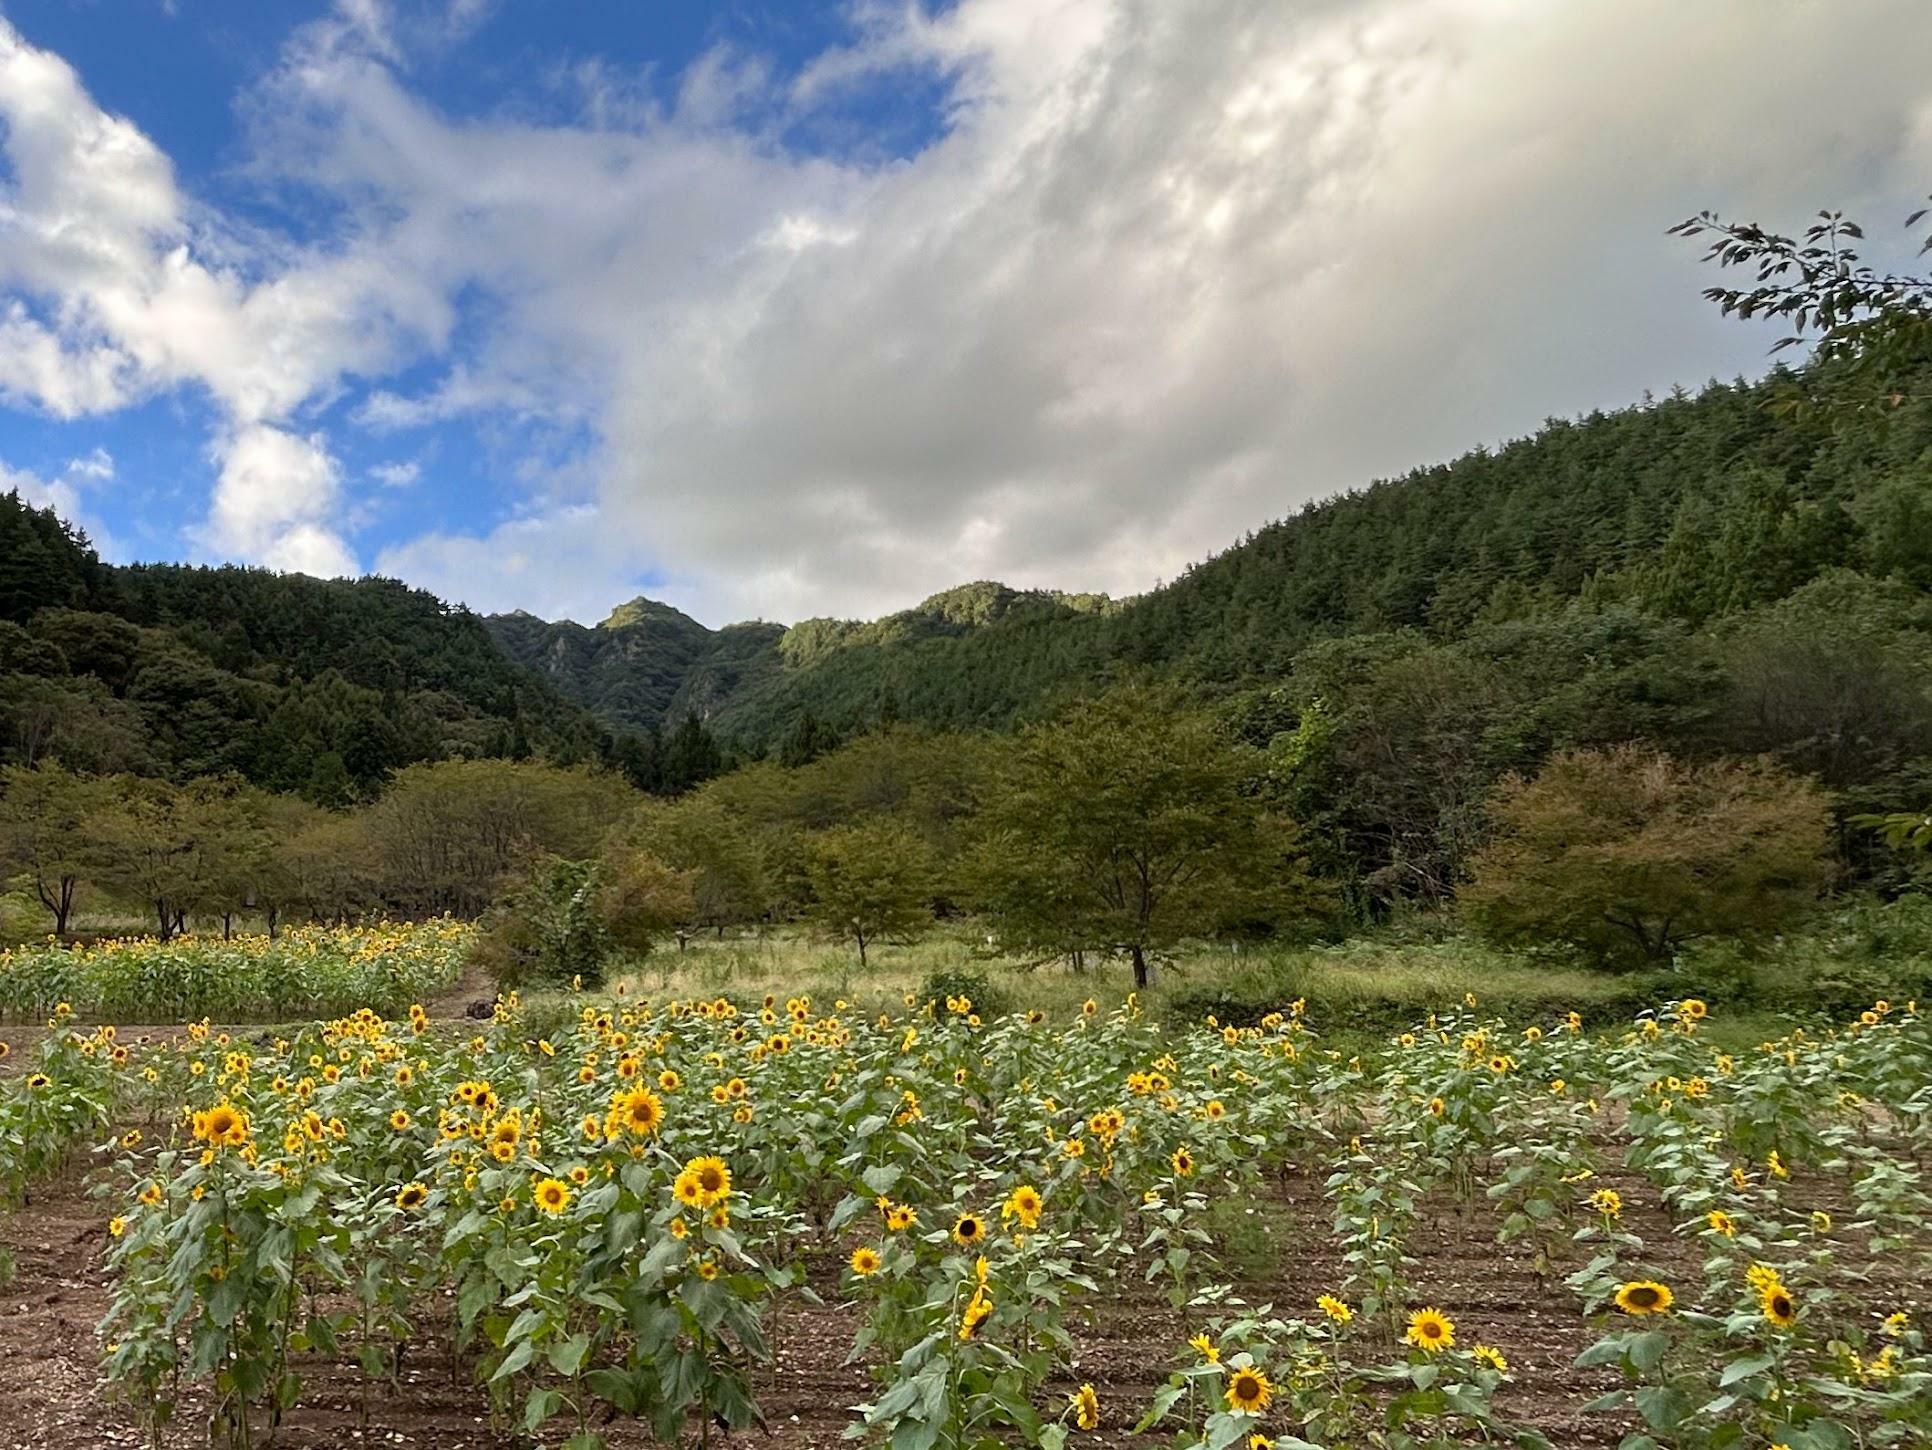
(546, 931)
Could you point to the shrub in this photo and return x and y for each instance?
(987, 999)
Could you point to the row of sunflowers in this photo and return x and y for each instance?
(299, 973)
(597, 1224)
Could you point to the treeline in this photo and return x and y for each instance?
(443, 837)
(316, 688)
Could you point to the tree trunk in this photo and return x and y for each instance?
(228, 926)
(1140, 965)
(162, 918)
(274, 920)
(861, 937)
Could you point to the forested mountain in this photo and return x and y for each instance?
(320, 687)
(1687, 510)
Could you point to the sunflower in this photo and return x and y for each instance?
(399, 1120)
(639, 1112)
(899, 1217)
(1183, 1161)
(1607, 1201)
(1206, 1348)
(1086, 1407)
(579, 1175)
(864, 1261)
(411, 1195)
(707, 1269)
(1249, 1391)
(116, 1226)
(1693, 1009)
(1721, 1223)
(1025, 1204)
(969, 1229)
(679, 1228)
(1259, 1441)
(978, 1309)
(1644, 1296)
(1431, 1330)
(1490, 1358)
(552, 1195)
(1334, 1308)
(221, 1126)
(1779, 1307)
(704, 1182)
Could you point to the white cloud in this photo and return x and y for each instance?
(397, 475)
(1169, 271)
(273, 499)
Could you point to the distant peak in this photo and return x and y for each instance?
(642, 610)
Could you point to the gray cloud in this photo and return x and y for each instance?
(1172, 270)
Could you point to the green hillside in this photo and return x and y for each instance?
(1688, 509)
(322, 687)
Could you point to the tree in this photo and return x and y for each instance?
(1124, 826)
(1869, 330)
(48, 818)
(868, 881)
(639, 899)
(695, 834)
(447, 836)
(1627, 854)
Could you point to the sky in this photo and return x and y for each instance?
(780, 310)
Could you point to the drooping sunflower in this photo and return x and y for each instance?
(1249, 1391)
(1490, 1358)
(977, 1311)
(1334, 1308)
(1431, 1330)
(1086, 1407)
(1644, 1296)
(969, 1229)
(864, 1261)
(1778, 1306)
(552, 1195)
(1206, 1348)
(411, 1196)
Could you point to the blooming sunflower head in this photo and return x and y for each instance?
(969, 1229)
(1431, 1330)
(864, 1261)
(552, 1195)
(1248, 1391)
(1206, 1348)
(1779, 1307)
(1183, 1161)
(1721, 1223)
(411, 1196)
(1644, 1296)
(1334, 1308)
(706, 1181)
(1025, 1204)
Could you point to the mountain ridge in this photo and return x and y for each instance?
(1690, 507)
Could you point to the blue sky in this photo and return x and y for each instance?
(784, 309)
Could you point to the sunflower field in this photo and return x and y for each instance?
(601, 1231)
(305, 972)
